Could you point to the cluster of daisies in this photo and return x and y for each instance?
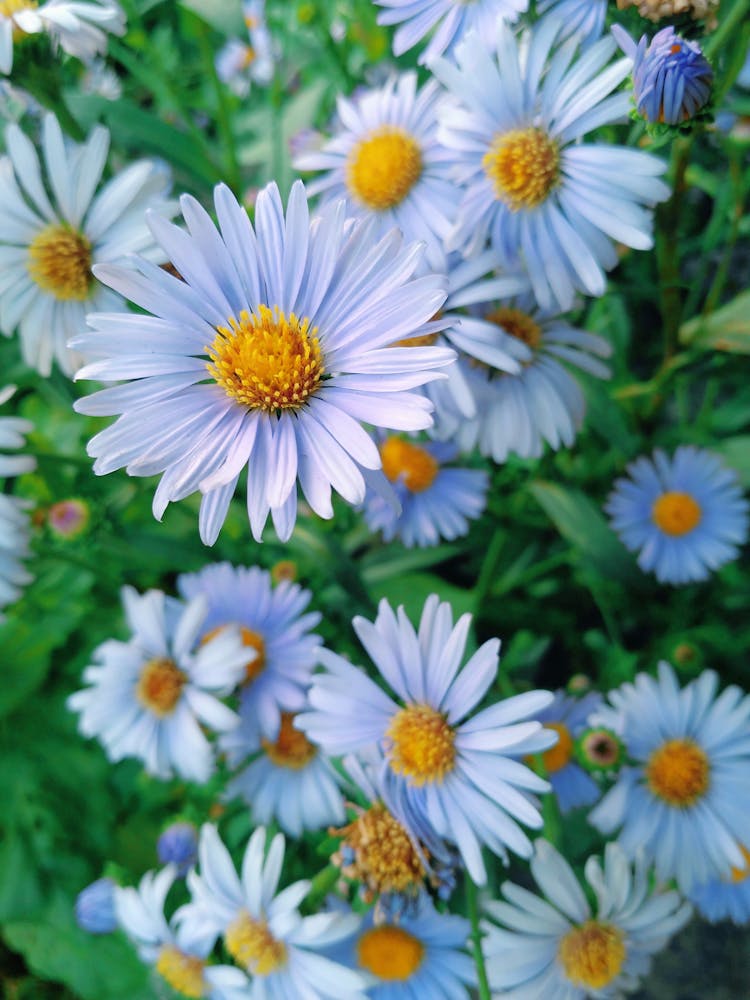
(416, 782)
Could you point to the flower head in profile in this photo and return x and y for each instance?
(451, 20)
(685, 516)
(553, 945)
(513, 126)
(437, 499)
(149, 697)
(55, 232)
(672, 79)
(385, 158)
(276, 629)
(14, 520)
(262, 928)
(178, 955)
(80, 29)
(451, 763)
(685, 799)
(95, 907)
(178, 846)
(726, 898)
(568, 718)
(268, 355)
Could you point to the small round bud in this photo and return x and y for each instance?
(95, 907)
(178, 845)
(599, 750)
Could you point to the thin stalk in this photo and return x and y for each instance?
(223, 111)
(727, 27)
(667, 247)
(722, 271)
(476, 940)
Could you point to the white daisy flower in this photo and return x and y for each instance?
(241, 63)
(14, 521)
(51, 238)
(269, 355)
(556, 948)
(451, 763)
(80, 28)
(385, 158)
(451, 19)
(514, 126)
(149, 696)
(262, 928)
(178, 957)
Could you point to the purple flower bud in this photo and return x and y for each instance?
(178, 845)
(95, 907)
(672, 79)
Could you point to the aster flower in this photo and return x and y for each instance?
(672, 79)
(95, 907)
(726, 898)
(568, 718)
(685, 800)
(240, 63)
(270, 353)
(49, 244)
(453, 770)
(261, 928)
(80, 28)
(148, 696)
(177, 954)
(451, 19)
(437, 501)
(420, 955)
(684, 516)
(543, 402)
(276, 629)
(514, 126)
(14, 521)
(581, 19)
(290, 782)
(557, 947)
(385, 158)
(178, 846)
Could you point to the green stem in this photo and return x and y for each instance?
(476, 940)
(667, 246)
(223, 111)
(320, 886)
(727, 27)
(722, 271)
(50, 456)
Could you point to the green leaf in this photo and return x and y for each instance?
(413, 589)
(582, 524)
(224, 15)
(736, 451)
(726, 329)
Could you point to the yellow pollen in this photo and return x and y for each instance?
(558, 756)
(382, 169)
(10, 7)
(421, 340)
(422, 744)
(253, 640)
(291, 748)
(252, 945)
(592, 955)
(408, 462)
(523, 166)
(390, 953)
(160, 686)
(384, 856)
(184, 973)
(60, 263)
(678, 772)
(676, 513)
(267, 361)
(248, 57)
(519, 325)
(740, 874)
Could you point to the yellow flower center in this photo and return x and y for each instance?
(267, 361)
(160, 686)
(384, 856)
(558, 756)
(421, 340)
(10, 7)
(390, 953)
(740, 874)
(519, 325)
(676, 513)
(523, 166)
(184, 973)
(60, 263)
(422, 744)
(291, 748)
(253, 640)
(252, 945)
(383, 168)
(592, 954)
(408, 462)
(678, 772)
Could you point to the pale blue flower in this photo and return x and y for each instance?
(685, 799)
(569, 717)
(568, 203)
(270, 355)
(725, 898)
(95, 907)
(685, 516)
(558, 947)
(178, 845)
(581, 19)
(451, 763)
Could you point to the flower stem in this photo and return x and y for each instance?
(223, 110)
(667, 246)
(476, 940)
